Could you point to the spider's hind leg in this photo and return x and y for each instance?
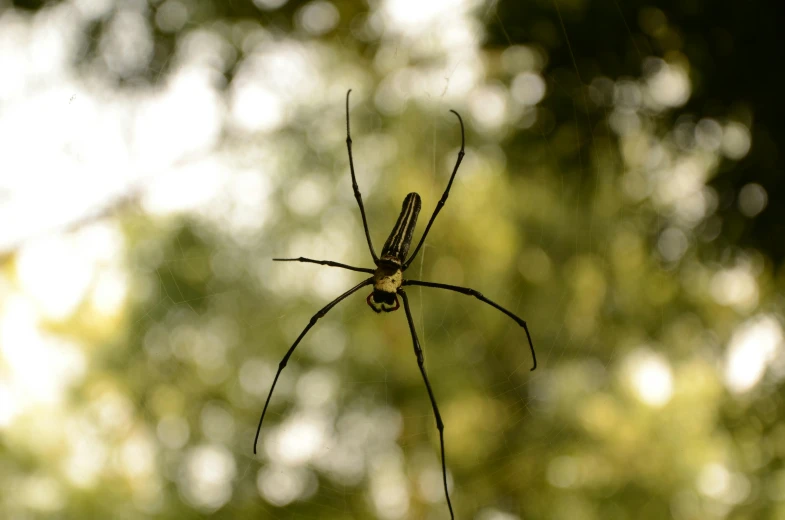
(289, 352)
(437, 415)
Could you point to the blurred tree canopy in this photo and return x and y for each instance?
(621, 192)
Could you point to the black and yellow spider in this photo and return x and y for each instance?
(388, 282)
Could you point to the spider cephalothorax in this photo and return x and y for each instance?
(388, 282)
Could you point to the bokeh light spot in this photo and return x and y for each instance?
(173, 431)
(755, 344)
(206, 476)
(562, 472)
(319, 17)
(282, 485)
(171, 16)
(735, 287)
(668, 85)
(736, 141)
(752, 199)
(528, 88)
(650, 376)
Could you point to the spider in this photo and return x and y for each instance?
(388, 282)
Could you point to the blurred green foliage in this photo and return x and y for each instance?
(606, 212)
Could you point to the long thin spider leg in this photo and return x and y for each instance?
(421, 364)
(285, 359)
(325, 262)
(354, 183)
(479, 296)
(444, 196)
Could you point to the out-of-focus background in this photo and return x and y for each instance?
(622, 191)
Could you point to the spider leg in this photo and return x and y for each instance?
(285, 359)
(325, 262)
(444, 196)
(479, 296)
(421, 364)
(354, 183)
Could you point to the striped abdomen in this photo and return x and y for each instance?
(397, 246)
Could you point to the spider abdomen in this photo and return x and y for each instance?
(397, 246)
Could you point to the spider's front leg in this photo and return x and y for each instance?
(444, 195)
(356, 188)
